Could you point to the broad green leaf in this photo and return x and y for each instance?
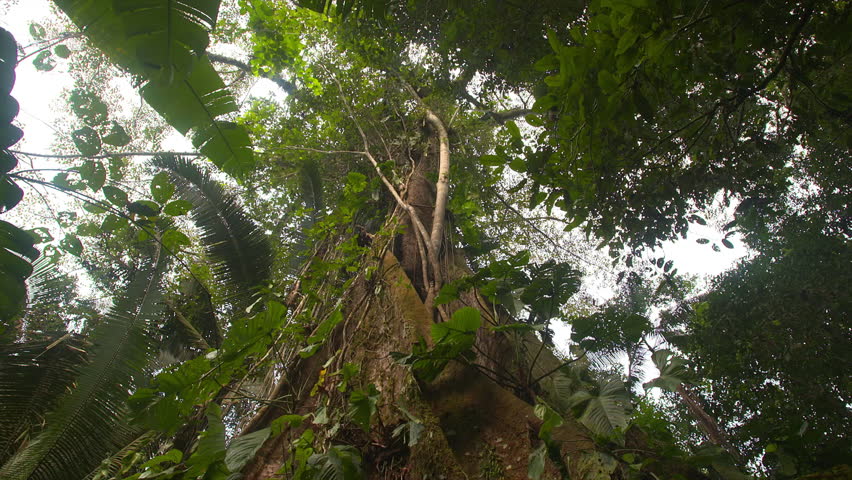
(115, 195)
(673, 371)
(117, 136)
(211, 446)
(606, 409)
(62, 51)
(607, 81)
(94, 208)
(173, 455)
(285, 421)
(37, 31)
(177, 208)
(112, 223)
(88, 229)
(550, 420)
(162, 188)
(537, 461)
(88, 107)
(362, 406)
(72, 245)
(93, 173)
(243, 449)
(87, 141)
(40, 235)
(10, 194)
(173, 240)
(325, 327)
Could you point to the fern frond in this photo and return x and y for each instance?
(88, 423)
(32, 376)
(241, 252)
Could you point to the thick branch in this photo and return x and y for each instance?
(706, 422)
(286, 85)
(502, 117)
(787, 49)
(432, 253)
(442, 186)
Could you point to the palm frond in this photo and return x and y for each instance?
(33, 375)
(110, 467)
(190, 322)
(88, 423)
(377, 9)
(163, 43)
(241, 252)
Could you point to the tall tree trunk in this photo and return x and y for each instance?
(478, 422)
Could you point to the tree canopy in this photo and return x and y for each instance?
(369, 277)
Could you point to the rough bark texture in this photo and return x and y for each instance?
(479, 422)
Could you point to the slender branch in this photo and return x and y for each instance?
(286, 85)
(108, 155)
(317, 150)
(502, 117)
(787, 49)
(535, 227)
(554, 370)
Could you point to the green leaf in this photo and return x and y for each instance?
(88, 229)
(550, 420)
(173, 240)
(537, 462)
(162, 188)
(285, 421)
(10, 194)
(211, 446)
(225, 143)
(177, 208)
(93, 173)
(362, 405)
(673, 371)
(607, 82)
(518, 165)
(243, 449)
(173, 456)
(62, 51)
(87, 141)
(492, 160)
(72, 245)
(40, 235)
(606, 410)
(88, 107)
(94, 208)
(626, 41)
(44, 61)
(117, 136)
(145, 208)
(514, 131)
(112, 223)
(340, 462)
(115, 195)
(37, 31)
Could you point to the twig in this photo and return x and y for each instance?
(109, 155)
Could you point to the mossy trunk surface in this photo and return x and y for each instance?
(475, 425)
